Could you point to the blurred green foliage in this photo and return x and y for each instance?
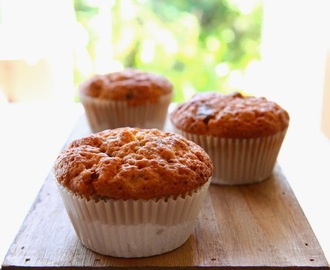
(196, 44)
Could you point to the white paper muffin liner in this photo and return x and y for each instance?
(109, 114)
(133, 228)
(239, 161)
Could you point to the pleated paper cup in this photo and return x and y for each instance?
(240, 161)
(108, 114)
(133, 228)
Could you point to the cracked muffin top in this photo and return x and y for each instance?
(230, 116)
(132, 163)
(130, 85)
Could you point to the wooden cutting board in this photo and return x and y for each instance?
(254, 226)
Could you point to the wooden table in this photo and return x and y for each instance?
(242, 227)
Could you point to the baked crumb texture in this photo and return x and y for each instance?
(230, 116)
(131, 85)
(132, 163)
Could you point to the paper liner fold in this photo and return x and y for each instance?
(105, 114)
(133, 228)
(240, 161)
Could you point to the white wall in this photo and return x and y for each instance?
(36, 49)
(295, 35)
(295, 41)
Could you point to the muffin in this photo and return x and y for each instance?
(133, 192)
(242, 134)
(128, 98)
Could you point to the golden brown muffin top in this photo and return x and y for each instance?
(131, 85)
(230, 116)
(132, 163)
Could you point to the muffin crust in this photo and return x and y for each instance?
(130, 85)
(230, 116)
(132, 163)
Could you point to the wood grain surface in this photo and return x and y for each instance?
(258, 226)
